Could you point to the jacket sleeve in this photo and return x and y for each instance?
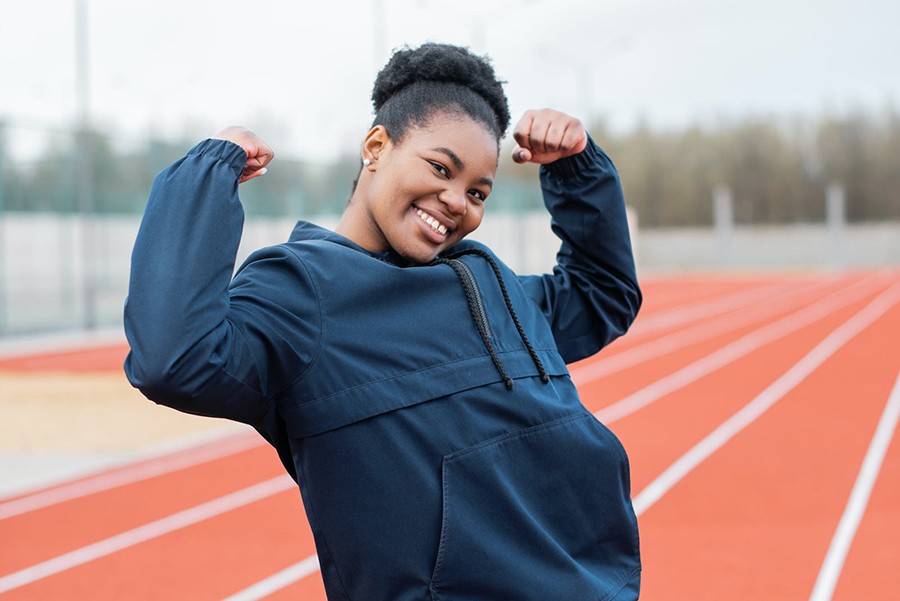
(200, 342)
(592, 296)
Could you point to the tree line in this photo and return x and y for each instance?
(777, 169)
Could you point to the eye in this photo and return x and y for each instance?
(478, 195)
(440, 168)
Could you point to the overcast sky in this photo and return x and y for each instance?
(300, 72)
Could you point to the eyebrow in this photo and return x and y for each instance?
(457, 162)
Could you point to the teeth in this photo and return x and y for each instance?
(435, 225)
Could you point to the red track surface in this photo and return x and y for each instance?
(747, 405)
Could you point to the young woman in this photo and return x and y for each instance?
(414, 387)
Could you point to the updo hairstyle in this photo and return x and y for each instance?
(415, 84)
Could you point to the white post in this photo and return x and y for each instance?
(632, 216)
(836, 218)
(724, 223)
(2, 234)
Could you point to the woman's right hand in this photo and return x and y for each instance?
(259, 154)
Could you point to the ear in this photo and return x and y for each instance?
(374, 145)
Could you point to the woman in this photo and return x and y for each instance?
(414, 387)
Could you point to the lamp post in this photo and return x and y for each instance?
(84, 188)
(584, 67)
(2, 233)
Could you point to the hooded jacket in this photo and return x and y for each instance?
(425, 411)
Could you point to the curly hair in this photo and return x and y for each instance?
(417, 83)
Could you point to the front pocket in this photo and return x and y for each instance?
(543, 513)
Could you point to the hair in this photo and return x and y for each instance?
(416, 84)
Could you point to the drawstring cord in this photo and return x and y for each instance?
(512, 312)
(473, 309)
(545, 378)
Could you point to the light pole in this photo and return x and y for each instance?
(584, 68)
(84, 189)
(2, 233)
(379, 33)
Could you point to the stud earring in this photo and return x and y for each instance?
(367, 162)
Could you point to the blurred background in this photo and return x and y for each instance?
(748, 135)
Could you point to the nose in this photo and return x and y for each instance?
(455, 201)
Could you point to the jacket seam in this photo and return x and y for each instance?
(313, 520)
(403, 375)
(628, 578)
(322, 333)
(211, 382)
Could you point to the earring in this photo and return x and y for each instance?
(367, 162)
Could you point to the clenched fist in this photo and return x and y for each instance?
(259, 154)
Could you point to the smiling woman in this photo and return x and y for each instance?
(413, 385)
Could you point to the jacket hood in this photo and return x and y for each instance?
(304, 230)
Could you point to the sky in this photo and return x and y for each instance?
(300, 73)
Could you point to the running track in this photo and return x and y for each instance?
(759, 414)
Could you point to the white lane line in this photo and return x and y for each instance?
(728, 354)
(146, 532)
(128, 474)
(224, 434)
(704, 309)
(768, 397)
(859, 499)
(278, 581)
(657, 347)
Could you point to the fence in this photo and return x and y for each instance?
(51, 280)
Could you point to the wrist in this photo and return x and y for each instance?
(577, 163)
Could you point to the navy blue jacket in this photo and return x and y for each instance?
(438, 442)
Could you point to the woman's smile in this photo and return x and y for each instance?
(434, 226)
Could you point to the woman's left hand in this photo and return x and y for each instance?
(546, 135)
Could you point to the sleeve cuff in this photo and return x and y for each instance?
(222, 150)
(577, 163)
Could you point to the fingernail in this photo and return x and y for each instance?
(522, 155)
(264, 170)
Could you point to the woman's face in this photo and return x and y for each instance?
(426, 193)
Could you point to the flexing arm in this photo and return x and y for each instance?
(196, 346)
(592, 296)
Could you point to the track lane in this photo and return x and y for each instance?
(753, 520)
(210, 559)
(141, 467)
(672, 318)
(55, 530)
(637, 386)
(660, 433)
(675, 371)
(106, 358)
(668, 292)
(667, 342)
